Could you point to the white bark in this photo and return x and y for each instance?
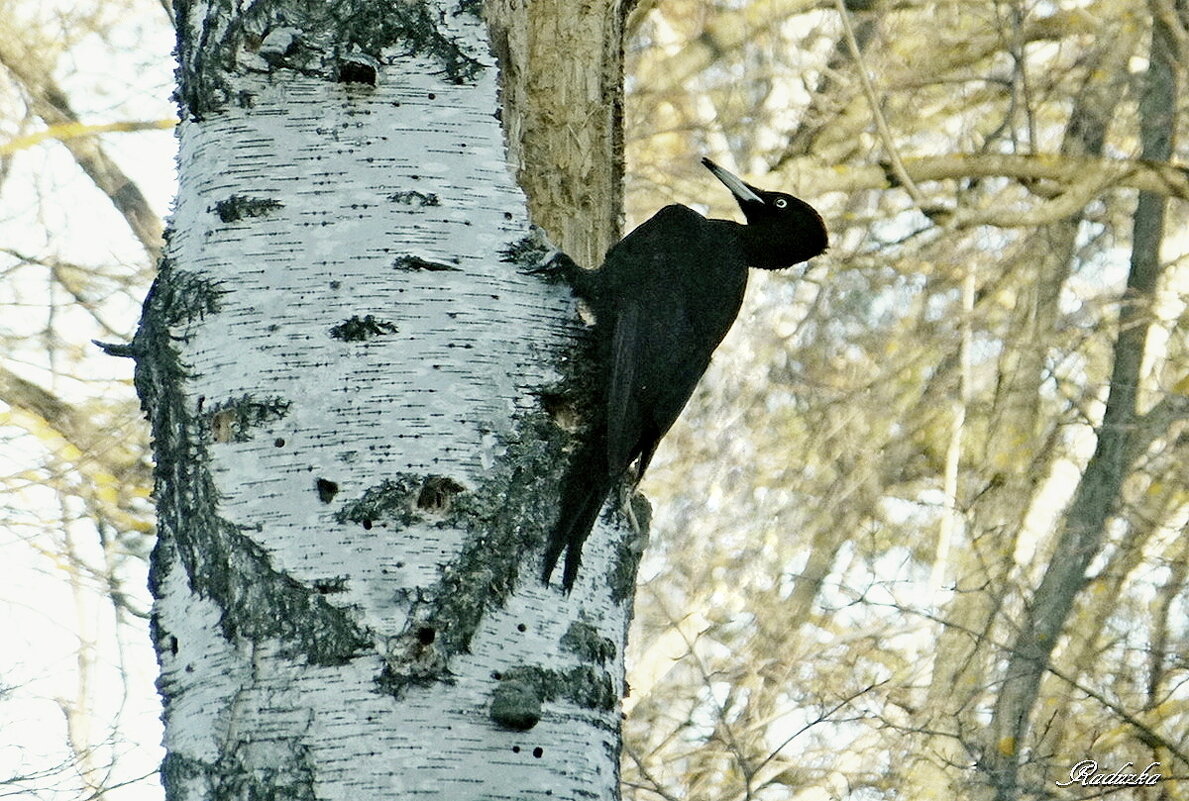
(339, 515)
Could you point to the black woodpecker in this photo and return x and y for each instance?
(664, 298)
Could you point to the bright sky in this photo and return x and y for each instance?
(63, 649)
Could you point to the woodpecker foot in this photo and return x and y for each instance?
(626, 492)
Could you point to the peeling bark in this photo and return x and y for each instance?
(562, 102)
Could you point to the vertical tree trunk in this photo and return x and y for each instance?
(350, 376)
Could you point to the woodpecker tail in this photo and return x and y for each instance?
(581, 501)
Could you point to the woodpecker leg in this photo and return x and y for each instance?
(626, 491)
(539, 256)
(639, 540)
(559, 266)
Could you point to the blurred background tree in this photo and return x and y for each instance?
(85, 177)
(920, 534)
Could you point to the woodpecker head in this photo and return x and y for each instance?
(781, 230)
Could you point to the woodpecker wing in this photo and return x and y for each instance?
(624, 419)
(678, 280)
(663, 299)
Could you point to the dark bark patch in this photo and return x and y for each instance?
(237, 207)
(562, 409)
(409, 660)
(436, 494)
(358, 329)
(358, 70)
(472, 7)
(330, 586)
(515, 705)
(187, 297)
(530, 251)
(393, 500)
(327, 489)
(232, 420)
(236, 774)
(415, 198)
(583, 640)
(413, 263)
(583, 685)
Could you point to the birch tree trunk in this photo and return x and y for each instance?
(352, 380)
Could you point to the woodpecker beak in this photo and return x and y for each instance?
(740, 190)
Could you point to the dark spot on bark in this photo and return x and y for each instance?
(426, 635)
(351, 71)
(358, 329)
(415, 198)
(327, 489)
(237, 207)
(437, 492)
(583, 640)
(331, 586)
(417, 263)
(516, 705)
(232, 420)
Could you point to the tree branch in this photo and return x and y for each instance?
(881, 124)
(75, 130)
(1158, 177)
(48, 102)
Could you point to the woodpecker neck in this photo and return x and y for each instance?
(781, 245)
(758, 249)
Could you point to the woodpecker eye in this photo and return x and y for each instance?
(780, 203)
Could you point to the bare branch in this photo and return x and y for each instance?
(47, 100)
(1162, 178)
(881, 124)
(76, 130)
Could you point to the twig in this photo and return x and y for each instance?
(881, 125)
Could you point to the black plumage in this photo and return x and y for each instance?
(663, 300)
